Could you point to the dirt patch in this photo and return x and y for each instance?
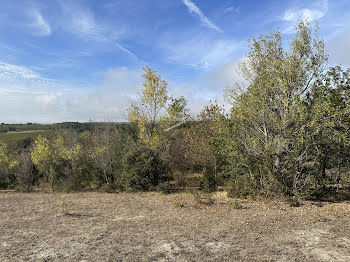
(155, 227)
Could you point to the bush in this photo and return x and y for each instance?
(109, 188)
(166, 188)
(208, 183)
(24, 172)
(144, 170)
(241, 186)
(180, 179)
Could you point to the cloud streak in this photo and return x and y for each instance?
(84, 25)
(16, 72)
(40, 25)
(194, 9)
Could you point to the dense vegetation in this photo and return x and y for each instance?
(287, 133)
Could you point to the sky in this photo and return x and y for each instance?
(81, 60)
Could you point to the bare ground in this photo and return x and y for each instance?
(156, 227)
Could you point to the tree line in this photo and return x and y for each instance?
(287, 133)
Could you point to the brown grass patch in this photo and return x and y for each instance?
(152, 227)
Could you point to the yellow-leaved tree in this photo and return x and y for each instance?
(145, 113)
(7, 161)
(156, 113)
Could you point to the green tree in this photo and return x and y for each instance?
(7, 164)
(269, 113)
(328, 108)
(42, 156)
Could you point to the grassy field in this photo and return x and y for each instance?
(12, 138)
(25, 127)
(35, 127)
(156, 227)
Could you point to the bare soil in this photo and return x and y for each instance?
(156, 227)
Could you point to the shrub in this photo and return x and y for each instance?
(24, 172)
(209, 181)
(203, 198)
(241, 186)
(144, 170)
(166, 188)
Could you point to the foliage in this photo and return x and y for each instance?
(144, 170)
(7, 165)
(205, 141)
(285, 120)
(145, 112)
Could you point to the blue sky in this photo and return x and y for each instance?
(64, 60)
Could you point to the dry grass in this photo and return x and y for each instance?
(155, 227)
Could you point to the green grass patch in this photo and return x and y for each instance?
(12, 139)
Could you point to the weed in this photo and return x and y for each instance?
(237, 205)
(203, 198)
(179, 204)
(64, 206)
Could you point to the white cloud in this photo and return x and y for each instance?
(194, 9)
(29, 102)
(47, 99)
(302, 14)
(9, 72)
(204, 53)
(315, 11)
(210, 86)
(109, 101)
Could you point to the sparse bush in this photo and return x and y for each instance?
(203, 198)
(24, 172)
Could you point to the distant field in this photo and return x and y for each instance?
(12, 133)
(12, 138)
(25, 127)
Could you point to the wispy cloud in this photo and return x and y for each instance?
(39, 24)
(16, 72)
(232, 9)
(127, 51)
(194, 9)
(84, 25)
(204, 53)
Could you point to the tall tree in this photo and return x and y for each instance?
(269, 112)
